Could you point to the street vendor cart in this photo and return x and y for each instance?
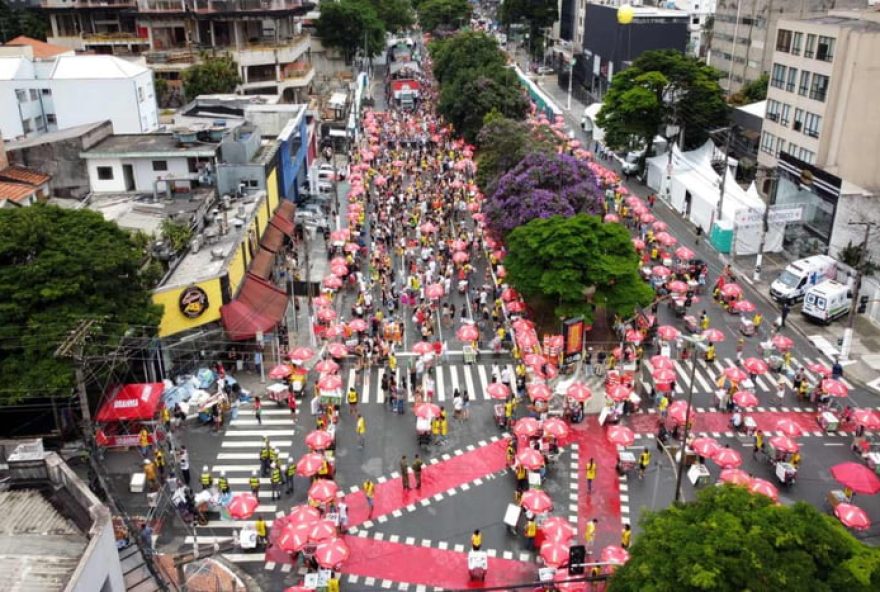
(478, 565)
(626, 462)
(277, 392)
(129, 409)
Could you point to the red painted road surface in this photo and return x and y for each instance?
(716, 421)
(604, 502)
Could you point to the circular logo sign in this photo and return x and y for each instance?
(193, 302)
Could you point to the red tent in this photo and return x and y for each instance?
(131, 403)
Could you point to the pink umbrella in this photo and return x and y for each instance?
(611, 218)
(731, 291)
(784, 444)
(867, 418)
(428, 228)
(614, 554)
(764, 487)
(713, 335)
(309, 464)
(536, 501)
(516, 306)
(578, 391)
(301, 354)
(330, 554)
(664, 238)
(820, 369)
(341, 235)
(735, 477)
(293, 537)
(683, 253)
(527, 427)
(533, 359)
(339, 270)
(634, 336)
(530, 458)
(358, 325)
(755, 366)
(331, 282)
(664, 362)
(427, 410)
(788, 427)
(323, 491)
(435, 291)
(678, 411)
(509, 295)
(280, 371)
(330, 382)
(727, 458)
(618, 392)
(735, 374)
(743, 306)
(706, 447)
(337, 350)
(338, 261)
(322, 530)
(745, 399)
(460, 257)
(319, 440)
(638, 243)
(668, 333)
(498, 390)
(663, 375)
(782, 343)
(859, 478)
(303, 515)
(557, 528)
(659, 226)
(646, 218)
(422, 347)
(334, 330)
(852, 516)
(243, 506)
(834, 388)
(351, 248)
(620, 435)
(327, 366)
(326, 314)
(677, 286)
(539, 391)
(322, 301)
(554, 553)
(555, 427)
(661, 271)
(468, 333)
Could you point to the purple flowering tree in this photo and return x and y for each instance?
(540, 186)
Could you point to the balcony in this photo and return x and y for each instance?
(215, 6)
(98, 4)
(297, 76)
(270, 52)
(114, 39)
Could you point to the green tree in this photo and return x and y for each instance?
(176, 233)
(31, 22)
(57, 267)
(347, 24)
(214, 75)
(396, 15)
(434, 14)
(731, 540)
(578, 263)
(502, 144)
(465, 101)
(752, 92)
(465, 52)
(539, 14)
(662, 87)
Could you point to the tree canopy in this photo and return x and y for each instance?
(539, 14)
(752, 92)
(396, 15)
(731, 540)
(539, 186)
(342, 25)
(502, 143)
(29, 21)
(434, 14)
(662, 87)
(215, 75)
(465, 52)
(57, 267)
(578, 263)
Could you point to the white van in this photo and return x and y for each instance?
(827, 301)
(802, 275)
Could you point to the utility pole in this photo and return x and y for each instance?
(846, 346)
(687, 418)
(570, 78)
(765, 225)
(720, 208)
(72, 348)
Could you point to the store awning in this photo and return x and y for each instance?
(272, 239)
(286, 209)
(283, 224)
(259, 307)
(262, 264)
(132, 402)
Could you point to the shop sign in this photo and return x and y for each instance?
(193, 302)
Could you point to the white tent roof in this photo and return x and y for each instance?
(758, 109)
(16, 68)
(87, 67)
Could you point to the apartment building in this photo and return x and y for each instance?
(264, 37)
(742, 37)
(700, 14)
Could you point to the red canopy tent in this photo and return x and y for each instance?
(121, 417)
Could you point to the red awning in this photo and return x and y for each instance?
(259, 307)
(282, 224)
(132, 402)
(286, 209)
(273, 238)
(262, 264)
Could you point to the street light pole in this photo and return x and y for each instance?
(570, 78)
(719, 209)
(765, 222)
(687, 418)
(846, 346)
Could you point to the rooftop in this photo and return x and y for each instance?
(94, 67)
(40, 49)
(143, 212)
(17, 174)
(54, 136)
(758, 109)
(16, 191)
(863, 20)
(147, 146)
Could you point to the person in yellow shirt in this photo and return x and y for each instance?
(369, 489)
(530, 531)
(626, 536)
(260, 527)
(590, 535)
(361, 430)
(333, 583)
(144, 442)
(591, 474)
(476, 540)
(644, 462)
(757, 320)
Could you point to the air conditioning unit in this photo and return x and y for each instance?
(218, 254)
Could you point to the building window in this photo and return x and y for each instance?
(810, 47)
(26, 126)
(773, 110)
(34, 94)
(804, 86)
(21, 95)
(798, 120)
(825, 51)
(105, 173)
(808, 156)
(819, 87)
(160, 165)
(785, 114)
(812, 125)
(767, 142)
(796, 41)
(780, 144)
(792, 79)
(51, 119)
(47, 92)
(140, 94)
(777, 79)
(695, 20)
(783, 40)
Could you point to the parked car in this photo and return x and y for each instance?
(310, 218)
(327, 172)
(545, 70)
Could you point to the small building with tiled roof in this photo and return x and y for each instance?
(37, 50)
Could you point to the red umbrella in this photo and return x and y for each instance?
(664, 238)
(539, 391)
(683, 253)
(857, 477)
(731, 291)
(556, 528)
(330, 382)
(618, 392)
(727, 458)
(243, 506)
(646, 218)
(745, 399)
(660, 226)
(784, 444)
(764, 487)
(331, 282)
(294, 537)
(614, 554)
(427, 410)
(516, 306)
(664, 362)
(322, 530)
(322, 300)
(509, 295)
(867, 418)
(498, 390)
(530, 459)
(326, 315)
(303, 514)
(435, 291)
(677, 286)
(330, 554)
(334, 330)
(323, 491)
(534, 359)
(755, 366)
(536, 501)
(852, 516)
(459, 245)
(337, 350)
(663, 375)
(735, 477)
(620, 435)
(280, 371)
(743, 306)
(782, 343)
(735, 374)
(678, 411)
(301, 354)
(428, 228)
(339, 235)
(611, 218)
(788, 427)
(327, 366)
(634, 336)
(668, 332)
(555, 427)
(339, 270)
(820, 369)
(554, 553)
(358, 325)
(319, 440)
(661, 271)
(460, 257)
(638, 244)
(834, 388)
(309, 464)
(706, 447)
(422, 348)
(713, 335)
(578, 391)
(527, 427)
(526, 340)
(468, 333)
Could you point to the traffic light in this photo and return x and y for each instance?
(577, 557)
(863, 304)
